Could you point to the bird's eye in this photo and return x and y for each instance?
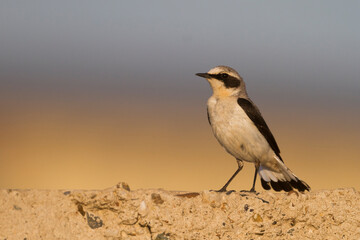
(224, 75)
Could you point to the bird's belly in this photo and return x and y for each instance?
(239, 136)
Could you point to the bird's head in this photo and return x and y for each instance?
(225, 82)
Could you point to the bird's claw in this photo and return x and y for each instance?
(223, 190)
(250, 191)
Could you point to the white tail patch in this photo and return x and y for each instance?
(284, 174)
(279, 177)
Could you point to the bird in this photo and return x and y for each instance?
(241, 130)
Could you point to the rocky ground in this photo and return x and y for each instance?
(121, 213)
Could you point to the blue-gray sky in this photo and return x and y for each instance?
(307, 48)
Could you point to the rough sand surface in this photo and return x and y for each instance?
(118, 213)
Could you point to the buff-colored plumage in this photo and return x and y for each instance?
(239, 135)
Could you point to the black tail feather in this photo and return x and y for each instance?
(265, 185)
(300, 185)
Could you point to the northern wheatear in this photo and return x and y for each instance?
(239, 127)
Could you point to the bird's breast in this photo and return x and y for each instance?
(235, 131)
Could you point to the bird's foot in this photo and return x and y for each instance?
(223, 190)
(252, 190)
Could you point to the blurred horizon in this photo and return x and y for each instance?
(96, 93)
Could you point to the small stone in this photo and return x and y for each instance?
(246, 207)
(143, 223)
(80, 209)
(157, 198)
(17, 208)
(188, 195)
(93, 221)
(215, 204)
(257, 218)
(293, 222)
(130, 221)
(291, 230)
(123, 185)
(67, 193)
(162, 236)
(143, 209)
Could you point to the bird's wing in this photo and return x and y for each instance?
(254, 114)
(207, 111)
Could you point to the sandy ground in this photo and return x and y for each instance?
(121, 213)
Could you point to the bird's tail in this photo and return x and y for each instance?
(284, 179)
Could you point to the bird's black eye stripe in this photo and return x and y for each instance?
(220, 76)
(228, 80)
(224, 75)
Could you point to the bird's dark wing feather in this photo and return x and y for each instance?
(207, 111)
(254, 114)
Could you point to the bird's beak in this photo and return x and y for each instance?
(204, 75)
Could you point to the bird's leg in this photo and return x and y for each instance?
(253, 186)
(256, 171)
(240, 166)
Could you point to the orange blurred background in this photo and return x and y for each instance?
(48, 144)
